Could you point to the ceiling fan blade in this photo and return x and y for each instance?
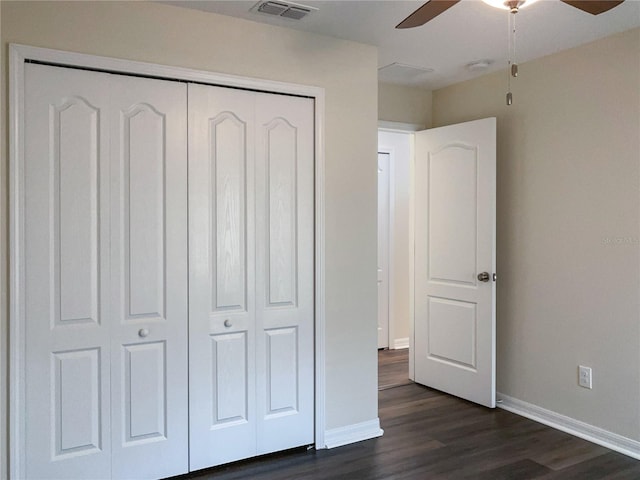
(426, 12)
(594, 7)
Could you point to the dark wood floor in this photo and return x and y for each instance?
(430, 435)
(393, 368)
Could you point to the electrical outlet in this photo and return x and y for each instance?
(585, 377)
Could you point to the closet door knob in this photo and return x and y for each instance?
(143, 332)
(227, 323)
(483, 277)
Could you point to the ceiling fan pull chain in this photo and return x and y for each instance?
(509, 94)
(514, 65)
(512, 71)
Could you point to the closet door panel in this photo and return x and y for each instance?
(149, 278)
(284, 292)
(227, 156)
(229, 392)
(66, 268)
(221, 276)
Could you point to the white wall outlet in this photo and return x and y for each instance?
(585, 377)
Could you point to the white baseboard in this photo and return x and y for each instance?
(399, 343)
(611, 440)
(337, 437)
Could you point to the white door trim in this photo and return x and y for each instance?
(408, 128)
(21, 53)
(392, 205)
(412, 255)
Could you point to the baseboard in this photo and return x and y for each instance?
(399, 343)
(611, 440)
(337, 437)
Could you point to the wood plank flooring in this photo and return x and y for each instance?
(393, 368)
(433, 436)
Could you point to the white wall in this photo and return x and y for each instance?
(399, 144)
(347, 71)
(397, 103)
(568, 227)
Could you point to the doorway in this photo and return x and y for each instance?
(452, 245)
(394, 315)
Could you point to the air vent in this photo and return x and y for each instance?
(273, 8)
(296, 13)
(293, 11)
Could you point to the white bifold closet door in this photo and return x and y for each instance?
(251, 365)
(105, 275)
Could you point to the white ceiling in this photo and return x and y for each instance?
(467, 32)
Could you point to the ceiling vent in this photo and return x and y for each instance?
(294, 11)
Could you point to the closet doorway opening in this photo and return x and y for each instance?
(74, 108)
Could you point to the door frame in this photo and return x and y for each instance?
(18, 55)
(409, 129)
(390, 246)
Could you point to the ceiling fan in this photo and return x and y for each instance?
(433, 8)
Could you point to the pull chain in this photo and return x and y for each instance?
(514, 61)
(509, 95)
(512, 71)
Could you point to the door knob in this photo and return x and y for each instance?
(483, 277)
(143, 332)
(227, 323)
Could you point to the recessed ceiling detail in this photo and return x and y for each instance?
(293, 11)
(402, 73)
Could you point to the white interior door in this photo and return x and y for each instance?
(105, 275)
(251, 274)
(222, 333)
(383, 249)
(149, 278)
(285, 271)
(455, 192)
(67, 324)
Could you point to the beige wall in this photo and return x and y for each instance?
(568, 181)
(402, 104)
(348, 71)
